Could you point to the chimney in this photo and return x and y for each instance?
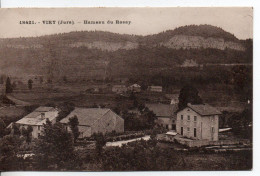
(42, 115)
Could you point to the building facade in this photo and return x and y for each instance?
(198, 122)
(95, 120)
(37, 118)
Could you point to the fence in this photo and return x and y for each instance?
(200, 143)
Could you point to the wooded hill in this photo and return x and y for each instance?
(98, 54)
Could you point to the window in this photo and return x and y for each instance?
(181, 117)
(173, 127)
(188, 117)
(39, 127)
(167, 127)
(39, 134)
(195, 132)
(188, 129)
(212, 130)
(195, 118)
(181, 130)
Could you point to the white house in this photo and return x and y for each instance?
(198, 122)
(37, 118)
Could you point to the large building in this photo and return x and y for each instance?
(95, 120)
(37, 118)
(165, 114)
(198, 122)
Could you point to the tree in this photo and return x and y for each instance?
(134, 122)
(149, 118)
(141, 107)
(241, 123)
(241, 77)
(2, 128)
(141, 156)
(188, 94)
(100, 142)
(30, 82)
(1, 79)
(54, 149)
(73, 123)
(117, 109)
(65, 109)
(8, 86)
(16, 130)
(27, 133)
(14, 85)
(223, 119)
(9, 146)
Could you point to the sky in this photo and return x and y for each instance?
(144, 21)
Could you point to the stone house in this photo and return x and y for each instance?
(95, 120)
(37, 118)
(198, 122)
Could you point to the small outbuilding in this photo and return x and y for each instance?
(155, 88)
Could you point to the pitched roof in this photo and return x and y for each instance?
(204, 109)
(44, 109)
(86, 116)
(162, 110)
(35, 118)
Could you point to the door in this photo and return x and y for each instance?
(212, 133)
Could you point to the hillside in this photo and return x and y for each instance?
(97, 54)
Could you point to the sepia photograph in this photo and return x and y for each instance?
(126, 89)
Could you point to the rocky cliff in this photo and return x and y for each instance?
(197, 42)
